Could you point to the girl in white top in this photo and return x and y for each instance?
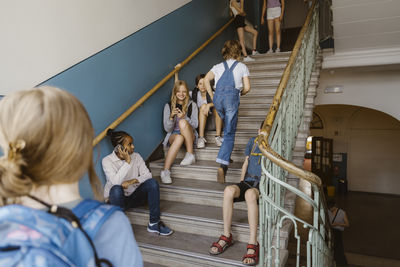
(232, 80)
(129, 181)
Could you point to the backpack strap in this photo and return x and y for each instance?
(93, 214)
(333, 220)
(189, 112)
(194, 94)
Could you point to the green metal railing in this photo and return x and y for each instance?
(278, 141)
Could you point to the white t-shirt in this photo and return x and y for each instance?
(239, 72)
(200, 100)
(234, 11)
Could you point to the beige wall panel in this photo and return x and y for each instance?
(371, 140)
(374, 161)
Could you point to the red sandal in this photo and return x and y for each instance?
(253, 256)
(228, 243)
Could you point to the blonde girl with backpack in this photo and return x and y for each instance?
(46, 138)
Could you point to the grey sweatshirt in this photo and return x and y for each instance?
(170, 124)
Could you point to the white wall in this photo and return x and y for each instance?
(371, 140)
(366, 24)
(373, 87)
(366, 32)
(44, 37)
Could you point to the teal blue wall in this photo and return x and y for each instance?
(115, 78)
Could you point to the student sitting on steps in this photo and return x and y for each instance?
(180, 121)
(205, 106)
(247, 190)
(129, 182)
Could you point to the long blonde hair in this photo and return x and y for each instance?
(46, 137)
(178, 84)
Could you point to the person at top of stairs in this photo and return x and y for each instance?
(237, 9)
(272, 11)
(205, 106)
(129, 182)
(180, 122)
(247, 190)
(232, 80)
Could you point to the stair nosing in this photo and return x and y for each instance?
(190, 217)
(190, 254)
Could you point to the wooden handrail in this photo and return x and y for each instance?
(157, 86)
(269, 120)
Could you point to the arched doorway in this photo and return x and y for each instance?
(370, 140)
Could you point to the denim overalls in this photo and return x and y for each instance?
(253, 173)
(226, 102)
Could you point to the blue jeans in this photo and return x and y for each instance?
(226, 102)
(148, 191)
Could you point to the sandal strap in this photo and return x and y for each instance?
(225, 238)
(253, 247)
(247, 256)
(218, 246)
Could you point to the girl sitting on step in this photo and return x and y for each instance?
(180, 121)
(129, 182)
(205, 106)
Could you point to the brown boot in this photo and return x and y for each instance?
(221, 173)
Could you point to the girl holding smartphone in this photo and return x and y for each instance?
(180, 121)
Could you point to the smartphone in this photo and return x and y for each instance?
(118, 147)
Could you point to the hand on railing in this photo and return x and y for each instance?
(177, 67)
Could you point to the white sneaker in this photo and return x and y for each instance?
(248, 59)
(166, 177)
(278, 50)
(188, 159)
(255, 52)
(218, 140)
(270, 51)
(201, 142)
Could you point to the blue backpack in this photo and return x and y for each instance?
(59, 237)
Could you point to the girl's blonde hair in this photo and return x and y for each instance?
(231, 50)
(177, 85)
(46, 137)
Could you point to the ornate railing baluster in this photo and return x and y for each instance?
(279, 139)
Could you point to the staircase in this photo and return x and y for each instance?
(192, 204)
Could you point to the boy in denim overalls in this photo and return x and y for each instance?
(230, 77)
